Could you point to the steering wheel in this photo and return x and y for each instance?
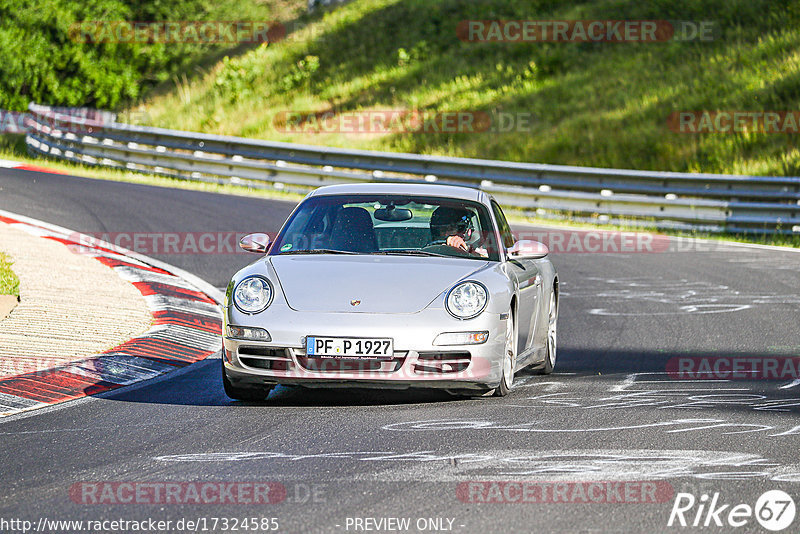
(439, 247)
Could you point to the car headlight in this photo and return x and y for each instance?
(249, 333)
(461, 338)
(467, 300)
(253, 294)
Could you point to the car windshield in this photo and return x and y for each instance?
(389, 225)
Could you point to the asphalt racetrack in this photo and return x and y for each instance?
(613, 426)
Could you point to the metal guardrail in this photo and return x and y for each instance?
(709, 202)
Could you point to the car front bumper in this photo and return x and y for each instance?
(417, 361)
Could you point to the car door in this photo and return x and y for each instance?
(526, 273)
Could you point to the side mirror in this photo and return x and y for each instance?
(528, 250)
(257, 243)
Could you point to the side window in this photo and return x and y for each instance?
(505, 230)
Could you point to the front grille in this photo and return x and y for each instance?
(442, 362)
(265, 358)
(344, 365)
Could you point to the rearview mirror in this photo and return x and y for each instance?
(392, 214)
(257, 243)
(528, 250)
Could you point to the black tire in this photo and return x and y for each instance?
(257, 393)
(552, 336)
(505, 383)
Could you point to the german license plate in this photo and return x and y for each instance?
(349, 347)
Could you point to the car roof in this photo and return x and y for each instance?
(403, 188)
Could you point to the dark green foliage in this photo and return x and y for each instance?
(42, 58)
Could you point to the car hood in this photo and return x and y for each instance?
(382, 284)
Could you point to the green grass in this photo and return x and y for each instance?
(9, 283)
(593, 104)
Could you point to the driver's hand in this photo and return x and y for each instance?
(456, 241)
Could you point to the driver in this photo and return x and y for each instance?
(453, 226)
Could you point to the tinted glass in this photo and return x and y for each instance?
(505, 230)
(387, 224)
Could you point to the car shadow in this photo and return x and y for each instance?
(201, 385)
(582, 372)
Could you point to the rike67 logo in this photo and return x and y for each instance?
(774, 510)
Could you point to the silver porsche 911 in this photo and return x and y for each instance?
(390, 286)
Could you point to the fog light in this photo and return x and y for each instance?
(461, 338)
(251, 334)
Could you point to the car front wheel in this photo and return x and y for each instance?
(552, 337)
(245, 394)
(509, 357)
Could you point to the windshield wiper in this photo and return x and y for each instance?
(410, 253)
(318, 251)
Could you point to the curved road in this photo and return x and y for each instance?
(349, 459)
